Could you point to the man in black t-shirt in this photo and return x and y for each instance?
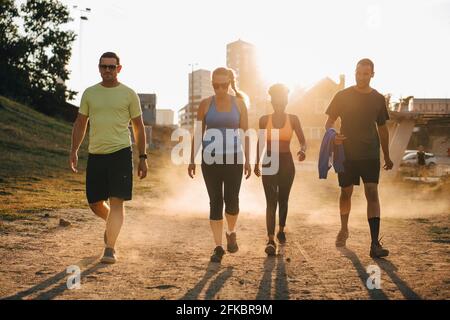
(421, 157)
(421, 171)
(363, 115)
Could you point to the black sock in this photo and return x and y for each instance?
(374, 224)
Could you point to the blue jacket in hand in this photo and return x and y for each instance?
(330, 154)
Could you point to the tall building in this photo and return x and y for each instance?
(199, 88)
(242, 58)
(164, 117)
(148, 105)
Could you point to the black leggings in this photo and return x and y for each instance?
(277, 188)
(223, 182)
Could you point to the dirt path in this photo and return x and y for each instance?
(166, 242)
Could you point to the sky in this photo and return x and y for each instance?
(298, 42)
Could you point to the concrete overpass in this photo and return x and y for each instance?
(401, 128)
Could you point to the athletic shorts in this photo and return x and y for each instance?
(109, 175)
(368, 170)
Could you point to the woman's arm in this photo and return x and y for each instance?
(262, 125)
(194, 148)
(300, 136)
(243, 124)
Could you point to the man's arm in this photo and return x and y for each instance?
(330, 122)
(141, 142)
(339, 138)
(383, 133)
(78, 133)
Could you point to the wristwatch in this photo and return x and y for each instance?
(143, 156)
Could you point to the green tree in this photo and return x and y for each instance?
(48, 50)
(13, 78)
(34, 57)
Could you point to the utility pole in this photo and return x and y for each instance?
(192, 65)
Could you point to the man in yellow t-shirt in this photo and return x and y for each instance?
(109, 106)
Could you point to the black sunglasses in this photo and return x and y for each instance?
(108, 66)
(221, 85)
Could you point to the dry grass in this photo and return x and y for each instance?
(34, 172)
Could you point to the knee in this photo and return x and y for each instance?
(96, 206)
(371, 194)
(283, 205)
(116, 202)
(346, 195)
(215, 214)
(216, 209)
(232, 206)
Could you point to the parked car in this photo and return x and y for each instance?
(410, 159)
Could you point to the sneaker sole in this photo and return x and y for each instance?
(216, 260)
(233, 250)
(108, 260)
(281, 241)
(270, 250)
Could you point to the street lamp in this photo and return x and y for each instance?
(83, 17)
(85, 10)
(192, 65)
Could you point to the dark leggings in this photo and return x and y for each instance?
(277, 188)
(223, 182)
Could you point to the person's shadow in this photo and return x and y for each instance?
(388, 267)
(60, 280)
(375, 294)
(215, 285)
(281, 283)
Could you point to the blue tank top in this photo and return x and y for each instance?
(225, 122)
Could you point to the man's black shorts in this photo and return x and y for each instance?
(109, 175)
(368, 170)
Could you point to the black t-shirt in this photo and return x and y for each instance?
(359, 113)
(421, 158)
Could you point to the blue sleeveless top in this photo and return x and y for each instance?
(222, 123)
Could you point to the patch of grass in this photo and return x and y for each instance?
(422, 220)
(34, 153)
(440, 234)
(7, 216)
(34, 158)
(440, 230)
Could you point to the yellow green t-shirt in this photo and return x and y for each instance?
(110, 111)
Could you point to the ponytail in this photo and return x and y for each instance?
(233, 84)
(230, 73)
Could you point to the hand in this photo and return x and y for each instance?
(301, 155)
(73, 160)
(191, 170)
(388, 164)
(257, 171)
(339, 138)
(247, 170)
(142, 168)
